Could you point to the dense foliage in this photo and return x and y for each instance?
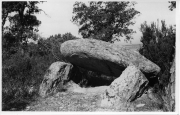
(22, 73)
(22, 20)
(21, 76)
(105, 20)
(173, 5)
(23, 63)
(159, 47)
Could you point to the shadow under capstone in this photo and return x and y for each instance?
(86, 78)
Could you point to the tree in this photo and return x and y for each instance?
(105, 20)
(26, 30)
(159, 47)
(21, 8)
(173, 5)
(52, 44)
(22, 20)
(23, 25)
(68, 36)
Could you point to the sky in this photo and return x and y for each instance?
(57, 19)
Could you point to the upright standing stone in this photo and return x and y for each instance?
(55, 77)
(125, 89)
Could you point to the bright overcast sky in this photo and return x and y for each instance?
(60, 15)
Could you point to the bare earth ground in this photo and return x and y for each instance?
(85, 100)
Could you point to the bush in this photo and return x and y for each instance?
(21, 77)
(22, 73)
(159, 47)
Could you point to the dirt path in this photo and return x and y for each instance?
(83, 99)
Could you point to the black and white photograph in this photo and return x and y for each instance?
(89, 56)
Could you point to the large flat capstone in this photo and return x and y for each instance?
(107, 58)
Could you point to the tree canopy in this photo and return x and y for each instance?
(105, 20)
(159, 47)
(173, 5)
(22, 20)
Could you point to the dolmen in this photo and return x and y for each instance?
(130, 68)
(104, 57)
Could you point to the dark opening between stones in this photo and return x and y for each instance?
(151, 78)
(86, 78)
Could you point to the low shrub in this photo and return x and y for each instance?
(24, 68)
(21, 77)
(159, 47)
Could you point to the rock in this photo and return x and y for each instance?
(125, 89)
(140, 105)
(27, 108)
(106, 58)
(73, 87)
(170, 90)
(55, 77)
(172, 86)
(155, 97)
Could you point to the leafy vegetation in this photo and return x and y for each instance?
(24, 63)
(19, 70)
(159, 47)
(22, 73)
(21, 76)
(22, 20)
(105, 20)
(173, 5)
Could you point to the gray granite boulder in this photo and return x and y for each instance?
(125, 89)
(106, 58)
(57, 75)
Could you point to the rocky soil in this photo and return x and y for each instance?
(86, 100)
